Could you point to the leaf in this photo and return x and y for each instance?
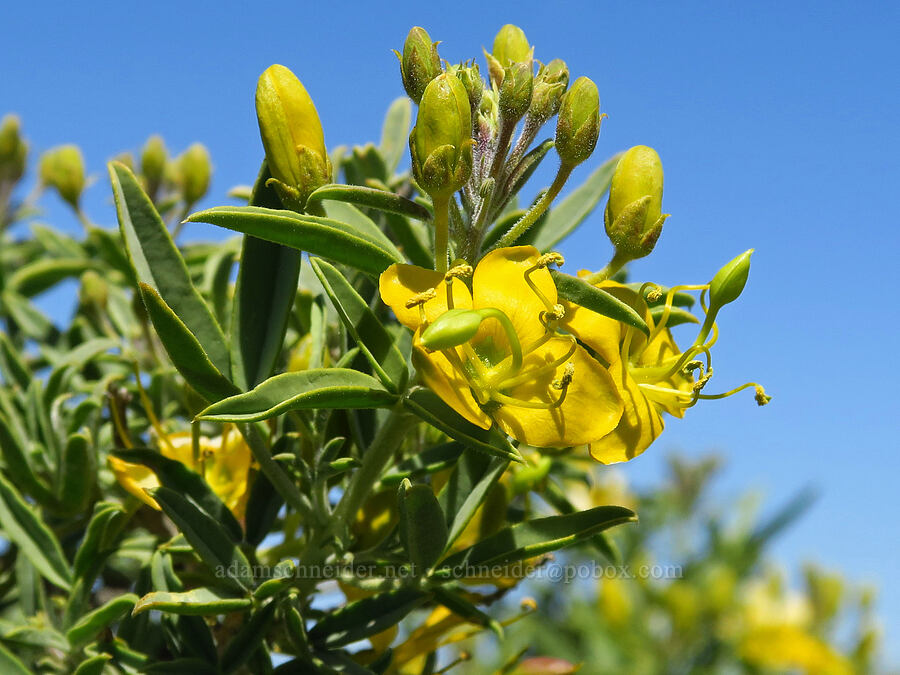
(84, 352)
(309, 389)
(467, 488)
(99, 540)
(367, 330)
(597, 300)
(395, 133)
(90, 625)
(186, 352)
(361, 223)
(430, 460)
(412, 238)
(568, 214)
(93, 665)
(677, 316)
(423, 528)
(556, 497)
(263, 506)
(78, 473)
(372, 198)
(198, 602)
(22, 526)
(12, 367)
(263, 297)
(425, 404)
(207, 537)
(248, 639)
(527, 167)
(158, 264)
(453, 600)
(42, 274)
(18, 464)
(358, 620)
(191, 665)
(10, 663)
(534, 537)
(328, 238)
(175, 475)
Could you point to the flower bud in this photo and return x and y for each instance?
(578, 126)
(633, 215)
(193, 172)
(419, 63)
(441, 142)
(13, 150)
(451, 329)
(94, 291)
(62, 168)
(153, 163)
(549, 87)
(515, 91)
(291, 135)
(470, 76)
(511, 46)
(729, 281)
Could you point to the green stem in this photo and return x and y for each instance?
(279, 479)
(613, 266)
(441, 233)
(530, 218)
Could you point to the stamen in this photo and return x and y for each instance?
(552, 315)
(699, 384)
(421, 298)
(540, 370)
(761, 398)
(551, 306)
(563, 382)
(667, 309)
(459, 271)
(552, 258)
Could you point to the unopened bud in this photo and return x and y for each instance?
(94, 291)
(419, 63)
(193, 172)
(549, 87)
(633, 216)
(451, 329)
(515, 91)
(511, 46)
(578, 126)
(13, 150)
(729, 282)
(470, 76)
(62, 168)
(291, 135)
(153, 163)
(441, 142)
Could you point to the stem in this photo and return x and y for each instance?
(441, 232)
(530, 218)
(613, 266)
(279, 479)
(506, 132)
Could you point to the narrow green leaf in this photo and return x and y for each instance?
(328, 238)
(22, 526)
(309, 389)
(423, 528)
(568, 214)
(395, 133)
(597, 300)
(348, 214)
(358, 620)
(412, 238)
(18, 465)
(556, 497)
(198, 602)
(10, 663)
(372, 198)
(208, 538)
(42, 274)
(467, 489)
(86, 351)
(26, 316)
(99, 540)
(78, 473)
(453, 600)
(527, 167)
(263, 506)
(158, 264)
(93, 622)
(430, 460)
(12, 367)
(186, 352)
(92, 666)
(367, 330)
(248, 639)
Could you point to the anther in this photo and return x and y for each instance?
(699, 384)
(460, 271)
(556, 313)
(563, 383)
(654, 294)
(691, 366)
(552, 258)
(421, 298)
(761, 398)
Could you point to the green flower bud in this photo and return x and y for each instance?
(470, 76)
(193, 173)
(13, 150)
(578, 126)
(549, 87)
(729, 282)
(153, 163)
(515, 91)
(451, 329)
(441, 142)
(94, 291)
(291, 135)
(511, 46)
(419, 63)
(62, 168)
(633, 216)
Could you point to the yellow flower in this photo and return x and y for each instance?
(502, 359)
(224, 463)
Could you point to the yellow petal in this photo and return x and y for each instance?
(448, 383)
(135, 478)
(399, 283)
(637, 429)
(499, 282)
(591, 409)
(600, 333)
(663, 348)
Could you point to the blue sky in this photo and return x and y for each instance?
(776, 123)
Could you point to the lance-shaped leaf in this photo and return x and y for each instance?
(175, 475)
(590, 297)
(248, 639)
(556, 497)
(524, 170)
(412, 238)
(309, 389)
(372, 198)
(186, 352)
(78, 473)
(568, 214)
(208, 538)
(350, 215)
(430, 460)
(467, 488)
(369, 616)
(423, 528)
(10, 664)
(40, 275)
(158, 263)
(198, 602)
(90, 625)
(22, 526)
(395, 133)
(93, 665)
(326, 237)
(454, 600)
(12, 367)
(263, 296)
(99, 540)
(534, 537)
(18, 464)
(367, 330)
(426, 405)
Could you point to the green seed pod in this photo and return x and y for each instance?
(633, 216)
(549, 87)
(194, 171)
(516, 91)
(451, 329)
(419, 63)
(13, 150)
(511, 46)
(729, 282)
(153, 163)
(62, 168)
(441, 142)
(578, 126)
(291, 135)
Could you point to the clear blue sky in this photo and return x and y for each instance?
(777, 126)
